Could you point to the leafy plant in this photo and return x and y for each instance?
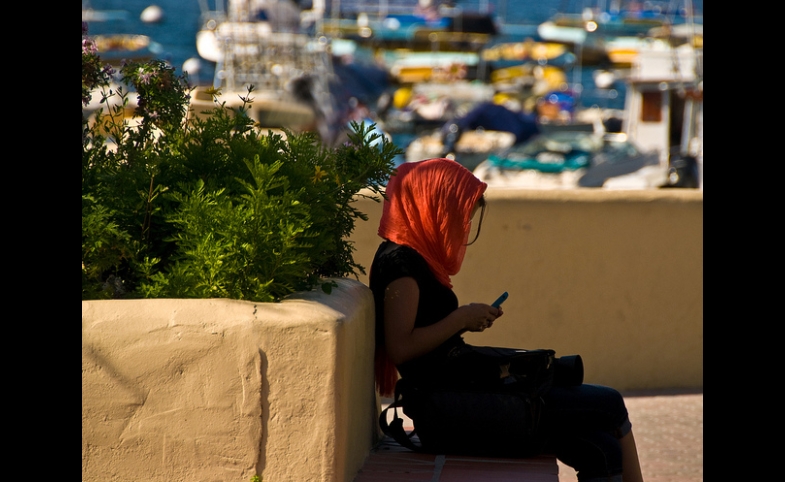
(211, 206)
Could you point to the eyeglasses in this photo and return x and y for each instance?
(479, 224)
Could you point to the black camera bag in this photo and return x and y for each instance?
(493, 417)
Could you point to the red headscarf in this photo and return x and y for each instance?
(428, 207)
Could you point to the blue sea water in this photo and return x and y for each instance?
(175, 34)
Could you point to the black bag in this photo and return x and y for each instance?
(496, 416)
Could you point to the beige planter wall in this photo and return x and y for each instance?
(221, 390)
(616, 276)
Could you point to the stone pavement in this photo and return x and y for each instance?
(668, 428)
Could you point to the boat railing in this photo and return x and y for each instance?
(270, 60)
(378, 10)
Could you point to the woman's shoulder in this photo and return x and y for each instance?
(399, 260)
(399, 253)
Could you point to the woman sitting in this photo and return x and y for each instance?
(426, 221)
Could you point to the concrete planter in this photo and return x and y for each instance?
(221, 390)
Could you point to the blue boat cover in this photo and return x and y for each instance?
(495, 117)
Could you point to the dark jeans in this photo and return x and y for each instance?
(582, 425)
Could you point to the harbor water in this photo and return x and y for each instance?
(174, 35)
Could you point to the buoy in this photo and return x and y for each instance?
(603, 79)
(152, 14)
(401, 97)
(192, 66)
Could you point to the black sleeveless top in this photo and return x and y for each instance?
(436, 301)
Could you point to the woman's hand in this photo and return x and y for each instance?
(405, 342)
(479, 316)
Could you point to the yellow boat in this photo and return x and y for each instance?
(553, 76)
(526, 50)
(115, 48)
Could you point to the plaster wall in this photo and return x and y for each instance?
(615, 276)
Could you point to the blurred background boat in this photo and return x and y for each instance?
(102, 14)
(664, 108)
(114, 48)
(610, 32)
(262, 44)
(470, 150)
(412, 66)
(573, 159)
(425, 25)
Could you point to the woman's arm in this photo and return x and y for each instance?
(405, 342)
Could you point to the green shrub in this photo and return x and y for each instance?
(186, 206)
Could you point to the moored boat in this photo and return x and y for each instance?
(664, 108)
(417, 26)
(115, 48)
(471, 149)
(623, 51)
(613, 34)
(571, 159)
(261, 43)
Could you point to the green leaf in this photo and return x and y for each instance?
(327, 288)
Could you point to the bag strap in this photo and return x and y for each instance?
(395, 428)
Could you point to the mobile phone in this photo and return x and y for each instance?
(500, 300)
